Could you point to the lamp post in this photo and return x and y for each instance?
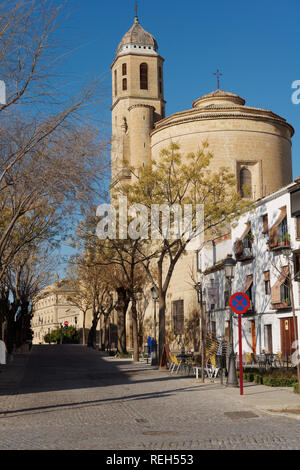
(229, 266)
(155, 296)
(198, 288)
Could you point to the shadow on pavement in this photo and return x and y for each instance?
(72, 367)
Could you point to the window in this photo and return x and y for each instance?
(285, 293)
(298, 227)
(116, 84)
(297, 266)
(144, 76)
(178, 317)
(278, 232)
(245, 183)
(265, 223)
(280, 290)
(124, 83)
(124, 69)
(282, 230)
(267, 282)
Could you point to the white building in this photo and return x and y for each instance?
(266, 245)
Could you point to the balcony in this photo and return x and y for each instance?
(283, 305)
(284, 243)
(247, 254)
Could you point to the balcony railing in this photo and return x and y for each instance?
(247, 253)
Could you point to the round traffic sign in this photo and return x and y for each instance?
(239, 302)
(66, 323)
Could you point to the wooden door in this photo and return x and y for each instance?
(253, 336)
(268, 339)
(287, 334)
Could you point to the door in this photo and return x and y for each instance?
(253, 336)
(287, 334)
(268, 339)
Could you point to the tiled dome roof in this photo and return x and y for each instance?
(139, 37)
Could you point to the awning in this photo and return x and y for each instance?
(275, 291)
(249, 280)
(273, 240)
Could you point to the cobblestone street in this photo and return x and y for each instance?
(70, 397)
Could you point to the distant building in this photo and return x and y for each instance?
(266, 246)
(53, 309)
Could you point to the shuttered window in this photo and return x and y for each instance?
(278, 295)
(298, 227)
(178, 317)
(278, 228)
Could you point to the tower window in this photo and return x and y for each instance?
(144, 76)
(124, 69)
(116, 83)
(124, 83)
(159, 72)
(245, 183)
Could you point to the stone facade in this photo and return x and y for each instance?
(53, 309)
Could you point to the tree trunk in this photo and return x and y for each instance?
(83, 329)
(162, 324)
(10, 334)
(122, 306)
(135, 331)
(92, 334)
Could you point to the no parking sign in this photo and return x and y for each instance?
(240, 303)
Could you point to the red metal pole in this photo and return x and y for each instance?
(241, 355)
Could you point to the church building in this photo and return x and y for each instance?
(254, 143)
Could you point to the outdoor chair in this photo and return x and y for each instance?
(249, 359)
(277, 360)
(211, 368)
(175, 364)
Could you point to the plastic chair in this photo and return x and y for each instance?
(277, 359)
(175, 365)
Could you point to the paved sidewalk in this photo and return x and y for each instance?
(71, 397)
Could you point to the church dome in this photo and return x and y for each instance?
(219, 98)
(137, 40)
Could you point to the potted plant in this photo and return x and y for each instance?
(285, 240)
(286, 302)
(250, 237)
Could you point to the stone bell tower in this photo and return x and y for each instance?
(137, 100)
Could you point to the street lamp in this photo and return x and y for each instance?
(229, 267)
(155, 297)
(198, 288)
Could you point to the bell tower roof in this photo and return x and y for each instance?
(137, 40)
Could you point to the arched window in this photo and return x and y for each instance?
(124, 69)
(144, 76)
(124, 83)
(245, 183)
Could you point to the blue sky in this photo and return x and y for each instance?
(255, 45)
